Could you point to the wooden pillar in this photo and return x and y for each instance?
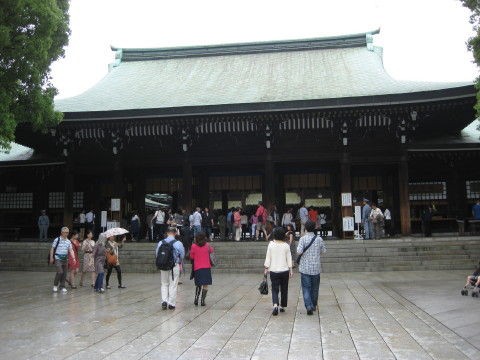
(202, 190)
(269, 181)
(118, 183)
(187, 184)
(139, 190)
(404, 196)
(345, 187)
(68, 198)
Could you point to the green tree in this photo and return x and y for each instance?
(474, 41)
(33, 34)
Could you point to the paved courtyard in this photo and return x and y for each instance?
(391, 315)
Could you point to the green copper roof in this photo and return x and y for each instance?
(272, 72)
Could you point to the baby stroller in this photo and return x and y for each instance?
(473, 284)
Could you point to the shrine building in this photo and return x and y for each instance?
(284, 122)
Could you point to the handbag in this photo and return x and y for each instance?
(54, 251)
(306, 248)
(111, 258)
(263, 288)
(213, 257)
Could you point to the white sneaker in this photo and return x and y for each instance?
(55, 289)
(64, 291)
(102, 290)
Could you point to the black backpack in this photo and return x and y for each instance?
(165, 256)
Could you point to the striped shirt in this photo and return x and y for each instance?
(310, 261)
(62, 249)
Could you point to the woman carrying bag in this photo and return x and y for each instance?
(279, 263)
(200, 256)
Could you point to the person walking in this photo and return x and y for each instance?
(207, 223)
(196, 222)
(169, 278)
(200, 256)
(158, 225)
(59, 251)
(262, 216)
(135, 226)
(73, 261)
(310, 246)
(253, 222)
(303, 216)
(149, 222)
(88, 260)
(112, 246)
(278, 262)
(43, 225)
(237, 224)
(287, 218)
(99, 263)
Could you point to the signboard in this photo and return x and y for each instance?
(113, 224)
(103, 219)
(115, 205)
(348, 224)
(358, 214)
(346, 199)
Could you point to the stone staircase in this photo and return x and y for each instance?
(409, 253)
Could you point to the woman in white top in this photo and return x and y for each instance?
(279, 263)
(287, 219)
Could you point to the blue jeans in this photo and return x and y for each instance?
(368, 228)
(310, 286)
(99, 281)
(196, 229)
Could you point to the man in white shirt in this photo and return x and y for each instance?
(197, 222)
(158, 225)
(388, 222)
(90, 220)
(303, 215)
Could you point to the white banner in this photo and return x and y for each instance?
(358, 214)
(115, 205)
(346, 199)
(103, 219)
(348, 224)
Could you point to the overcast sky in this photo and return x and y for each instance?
(422, 39)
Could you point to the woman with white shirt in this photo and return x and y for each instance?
(279, 263)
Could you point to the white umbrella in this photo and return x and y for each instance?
(114, 232)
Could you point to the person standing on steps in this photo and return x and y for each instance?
(310, 246)
(43, 224)
(200, 256)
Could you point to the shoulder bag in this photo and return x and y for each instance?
(213, 257)
(306, 248)
(54, 251)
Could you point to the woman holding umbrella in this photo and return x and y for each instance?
(115, 240)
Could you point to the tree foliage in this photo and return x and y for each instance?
(474, 41)
(33, 34)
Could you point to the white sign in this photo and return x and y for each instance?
(346, 199)
(358, 214)
(103, 219)
(112, 224)
(115, 205)
(348, 224)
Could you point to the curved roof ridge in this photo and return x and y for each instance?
(329, 42)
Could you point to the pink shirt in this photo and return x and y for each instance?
(201, 256)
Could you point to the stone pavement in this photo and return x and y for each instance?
(388, 315)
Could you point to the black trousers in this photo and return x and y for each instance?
(158, 232)
(119, 273)
(280, 282)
